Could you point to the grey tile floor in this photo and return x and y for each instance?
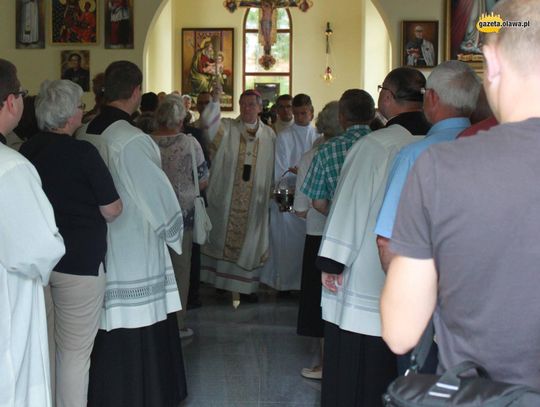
(248, 357)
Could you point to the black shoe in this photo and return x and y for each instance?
(194, 304)
(249, 298)
(284, 294)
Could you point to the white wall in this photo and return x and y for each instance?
(378, 50)
(158, 51)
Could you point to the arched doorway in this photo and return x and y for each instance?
(377, 49)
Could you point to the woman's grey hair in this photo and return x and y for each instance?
(57, 101)
(171, 112)
(457, 86)
(327, 122)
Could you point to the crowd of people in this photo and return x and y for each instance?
(400, 218)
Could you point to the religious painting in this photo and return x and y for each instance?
(74, 21)
(76, 68)
(30, 25)
(119, 24)
(463, 40)
(269, 91)
(420, 43)
(208, 58)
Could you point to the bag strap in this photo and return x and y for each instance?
(194, 168)
(421, 351)
(449, 383)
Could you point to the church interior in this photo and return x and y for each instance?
(365, 45)
(248, 356)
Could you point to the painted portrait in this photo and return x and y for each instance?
(76, 67)
(119, 24)
(420, 43)
(30, 25)
(74, 21)
(207, 58)
(464, 41)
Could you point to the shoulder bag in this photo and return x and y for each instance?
(453, 389)
(201, 222)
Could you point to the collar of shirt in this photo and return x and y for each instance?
(357, 127)
(446, 127)
(107, 116)
(2, 139)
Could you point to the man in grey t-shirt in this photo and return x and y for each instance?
(467, 226)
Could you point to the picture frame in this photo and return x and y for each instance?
(74, 22)
(118, 22)
(420, 44)
(202, 64)
(30, 24)
(463, 41)
(269, 91)
(75, 66)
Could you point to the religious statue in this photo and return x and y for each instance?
(267, 32)
(267, 21)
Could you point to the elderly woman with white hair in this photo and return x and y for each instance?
(176, 158)
(310, 322)
(83, 196)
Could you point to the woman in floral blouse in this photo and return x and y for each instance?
(176, 161)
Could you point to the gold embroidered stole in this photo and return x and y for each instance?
(241, 195)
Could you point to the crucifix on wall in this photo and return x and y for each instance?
(267, 21)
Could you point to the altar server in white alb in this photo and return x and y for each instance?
(358, 366)
(238, 195)
(30, 246)
(138, 340)
(283, 271)
(284, 113)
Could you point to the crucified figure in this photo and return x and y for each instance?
(267, 11)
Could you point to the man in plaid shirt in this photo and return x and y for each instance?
(356, 110)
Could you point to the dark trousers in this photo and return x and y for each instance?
(195, 275)
(357, 369)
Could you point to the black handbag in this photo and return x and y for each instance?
(452, 389)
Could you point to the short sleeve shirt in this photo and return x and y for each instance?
(177, 164)
(472, 206)
(323, 175)
(77, 182)
(445, 130)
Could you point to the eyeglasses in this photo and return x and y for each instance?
(82, 106)
(21, 92)
(380, 87)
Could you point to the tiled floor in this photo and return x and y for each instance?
(248, 357)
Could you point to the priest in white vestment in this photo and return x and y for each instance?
(283, 270)
(352, 274)
(239, 193)
(284, 113)
(30, 246)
